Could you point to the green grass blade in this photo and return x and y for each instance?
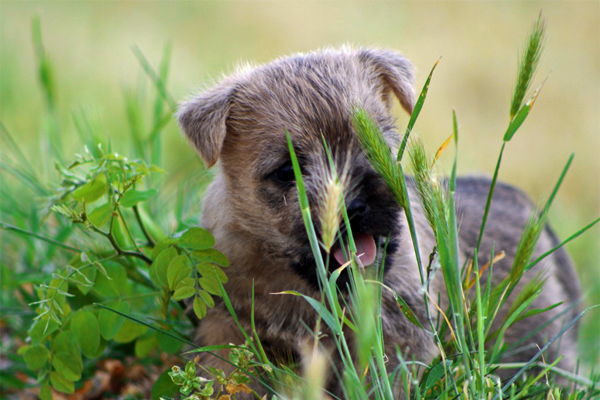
(488, 202)
(546, 208)
(155, 137)
(44, 67)
(541, 327)
(26, 178)
(416, 112)
(139, 321)
(162, 76)
(11, 228)
(156, 79)
(564, 242)
(543, 349)
(13, 148)
(88, 132)
(522, 114)
(47, 81)
(134, 117)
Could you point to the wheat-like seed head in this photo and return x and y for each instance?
(332, 188)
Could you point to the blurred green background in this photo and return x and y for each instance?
(89, 44)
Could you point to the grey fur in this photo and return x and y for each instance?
(257, 223)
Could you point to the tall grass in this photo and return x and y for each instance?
(469, 374)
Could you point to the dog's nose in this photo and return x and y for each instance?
(357, 207)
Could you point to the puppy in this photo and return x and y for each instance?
(253, 211)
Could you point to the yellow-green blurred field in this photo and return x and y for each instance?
(89, 44)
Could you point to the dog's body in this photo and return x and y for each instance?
(252, 206)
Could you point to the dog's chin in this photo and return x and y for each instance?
(372, 252)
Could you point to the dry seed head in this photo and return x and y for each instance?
(314, 371)
(331, 190)
(330, 211)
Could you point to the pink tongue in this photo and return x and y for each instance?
(366, 250)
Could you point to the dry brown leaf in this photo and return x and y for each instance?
(497, 258)
(232, 388)
(438, 153)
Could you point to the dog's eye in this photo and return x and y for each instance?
(284, 174)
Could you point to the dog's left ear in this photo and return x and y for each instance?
(395, 72)
(203, 119)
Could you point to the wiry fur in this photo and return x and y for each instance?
(257, 222)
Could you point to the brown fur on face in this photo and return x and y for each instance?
(252, 207)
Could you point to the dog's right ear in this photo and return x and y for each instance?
(395, 71)
(203, 120)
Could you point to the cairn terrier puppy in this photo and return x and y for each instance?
(253, 211)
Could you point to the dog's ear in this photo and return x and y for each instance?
(203, 120)
(395, 72)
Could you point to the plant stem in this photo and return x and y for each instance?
(490, 195)
(136, 211)
(127, 229)
(118, 248)
(13, 228)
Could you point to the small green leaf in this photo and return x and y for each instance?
(132, 197)
(59, 296)
(185, 282)
(113, 287)
(179, 269)
(65, 341)
(36, 357)
(434, 374)
(161, 245)
(119, 233)
(184, 293)
(212, 256)
(168, 344)
(85, 326)
(197, 239)
(42, 329)
(144, 345)
(111, 322)
(210, 284)
(199, 307)
(46, 392)
(69, 364)
(213, 271)
(130, 330)
(60, 383)
(100, 215)
(405, 309)
(100, 351)
(92, 190)
(164, 387)
(85, 278)
(207, 298)
(160, 267)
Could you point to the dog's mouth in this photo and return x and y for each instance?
(373, 250)
(366, 250)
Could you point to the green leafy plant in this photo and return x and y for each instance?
(101, 194)
(221, 386)
(124, 280)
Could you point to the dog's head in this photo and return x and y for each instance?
(242, 122)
